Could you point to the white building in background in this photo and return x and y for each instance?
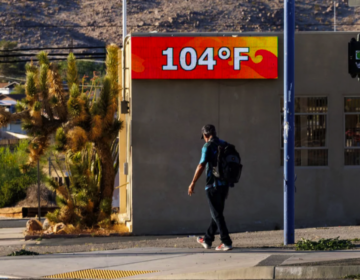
(12, 130)
(7, 88)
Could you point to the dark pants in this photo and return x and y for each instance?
(216, 198)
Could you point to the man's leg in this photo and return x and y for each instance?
(210, 233)
(218, 203)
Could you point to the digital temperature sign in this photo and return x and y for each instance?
(204, 57)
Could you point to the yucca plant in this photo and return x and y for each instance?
(75, 119)
(79, 196)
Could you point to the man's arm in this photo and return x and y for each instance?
(199, 170)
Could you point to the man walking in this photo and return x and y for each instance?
(216, 190)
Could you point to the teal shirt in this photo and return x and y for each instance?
(209, 157)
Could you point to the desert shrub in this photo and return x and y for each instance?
(323, 244)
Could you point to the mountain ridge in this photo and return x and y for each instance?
(44, 23)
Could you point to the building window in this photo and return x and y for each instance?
(352, 130)
(310, 131)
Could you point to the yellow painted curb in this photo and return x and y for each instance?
(97, 274)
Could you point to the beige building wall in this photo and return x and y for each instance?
(164, 145)
(125, 190)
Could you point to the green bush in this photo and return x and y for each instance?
(13, 183)
(357, 276)
(14, 190)
(19, 89)
(23, 252)
(323, 245)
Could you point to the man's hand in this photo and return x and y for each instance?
(191, 188)
(198, 172)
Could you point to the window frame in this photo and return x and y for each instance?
(344, 130)
(307, 114)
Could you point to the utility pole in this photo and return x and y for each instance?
(71, 50)
(124, 21)
(289, 122)
(334, 15)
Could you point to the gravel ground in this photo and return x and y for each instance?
(260, 239)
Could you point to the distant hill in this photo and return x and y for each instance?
(95, 22)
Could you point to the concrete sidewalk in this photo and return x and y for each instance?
(179, 257)
(173, 263)
(7, 234)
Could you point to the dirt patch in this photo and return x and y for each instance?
(72, 232)
(47, 197)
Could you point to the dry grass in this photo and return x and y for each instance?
(71, 230)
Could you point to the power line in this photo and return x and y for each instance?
(59, 26)
(53, 48)
(54, 54)
(95, 61)
(52, 59)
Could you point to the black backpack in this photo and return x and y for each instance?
(228, 163)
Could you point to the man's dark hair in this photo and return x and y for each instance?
(209, 130)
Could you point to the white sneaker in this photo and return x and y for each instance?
(201, 241)
(223, 247)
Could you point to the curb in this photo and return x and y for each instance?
(12, 239)
(311, 272)
(259, 272)
(268, 272)
(52, 236)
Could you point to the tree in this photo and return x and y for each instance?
(75, 118)
(14, 183)
(18, 89)
(85, 69)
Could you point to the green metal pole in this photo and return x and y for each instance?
(38, 175)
